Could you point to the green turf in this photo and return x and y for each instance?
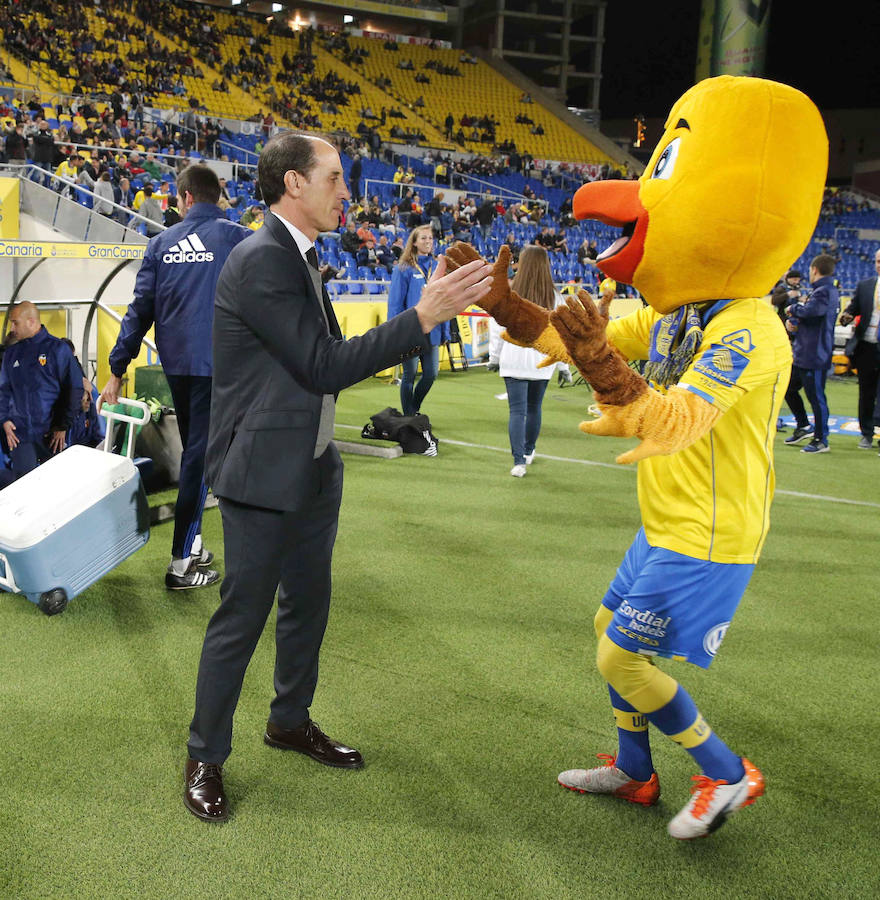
(459, 660)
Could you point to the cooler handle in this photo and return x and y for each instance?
(6, 578)
(113, 416)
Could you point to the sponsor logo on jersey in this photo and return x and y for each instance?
(740, 340)
(633, 636)
(645, 621)
(187, 250)
(713, 638)
(15, 365)
(722, 364)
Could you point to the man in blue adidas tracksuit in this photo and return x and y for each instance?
(40, 392)
(175, 290)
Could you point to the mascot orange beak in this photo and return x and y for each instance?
(616, 203)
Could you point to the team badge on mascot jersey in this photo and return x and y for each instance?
(42, 359)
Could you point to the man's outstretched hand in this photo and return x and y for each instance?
(581, 327)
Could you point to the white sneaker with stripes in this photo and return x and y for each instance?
(193, 577)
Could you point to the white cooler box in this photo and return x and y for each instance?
(70, 521)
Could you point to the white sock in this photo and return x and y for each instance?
(196, 548)
(179, 566)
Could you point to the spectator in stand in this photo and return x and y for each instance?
(811, 320)
(397, 248)
(16, 145)
(513, 246)
(226, 201)
(865, 305)
(66, 174)
(433, 209)
(350, 241)
(384, 256)
(485, 216)
(354, 177)
(172, 214)
(408, 279)
(44, 150)
(391, 219)
(151, 209)
(414, 219)
(40, 392)
(587, 252)
(151, 166)
(366, 256)
(560, 245)
(364, 232)
(104, 190)
(545, 239)
(124, 198)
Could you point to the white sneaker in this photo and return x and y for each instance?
(530, 458)
(713, 801)
(608, 779)
(518, 471)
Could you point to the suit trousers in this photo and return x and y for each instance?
(866, 360)
(268, 550)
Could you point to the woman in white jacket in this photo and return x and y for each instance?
(518, 366)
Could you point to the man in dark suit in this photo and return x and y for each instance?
(279, 361)
(866, 304)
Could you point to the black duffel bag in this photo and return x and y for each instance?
(413, 433)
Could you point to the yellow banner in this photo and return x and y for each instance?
(9, 208)
(69, 250)
(108, 331)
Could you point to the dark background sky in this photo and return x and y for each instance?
(831, 53)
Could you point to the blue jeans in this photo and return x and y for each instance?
(524, 397)
(412, 394)
(813, 383)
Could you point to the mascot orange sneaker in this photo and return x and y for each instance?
(713, 801)
(608, 779)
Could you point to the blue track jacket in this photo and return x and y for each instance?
(40, 375)
(814, 339)
(175, 290)
(407, 283)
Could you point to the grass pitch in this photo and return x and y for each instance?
(459, 659)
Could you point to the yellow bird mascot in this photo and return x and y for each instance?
(728, 200)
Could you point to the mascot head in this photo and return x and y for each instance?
(729, 198)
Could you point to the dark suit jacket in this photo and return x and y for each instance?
(862, 304)
(274, 359)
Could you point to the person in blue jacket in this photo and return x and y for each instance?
(40, 392)
(175, 291)
(413, 270)
(811, 320)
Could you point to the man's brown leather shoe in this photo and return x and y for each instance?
(309, 739)
(203, 791)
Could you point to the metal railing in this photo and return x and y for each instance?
(53, 208)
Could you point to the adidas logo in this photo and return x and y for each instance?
(189, 249)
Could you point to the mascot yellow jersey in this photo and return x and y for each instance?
(711, 500)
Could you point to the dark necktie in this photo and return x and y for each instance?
(329, 315)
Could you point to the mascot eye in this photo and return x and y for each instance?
(666, 163)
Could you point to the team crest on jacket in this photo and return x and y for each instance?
(42, 359)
